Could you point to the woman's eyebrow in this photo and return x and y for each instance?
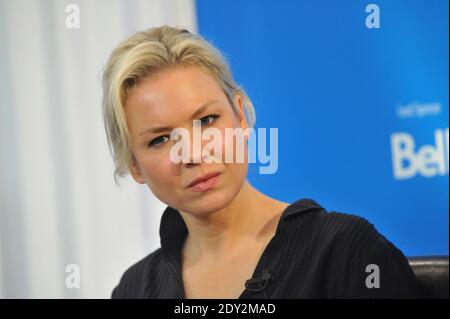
(199, 110)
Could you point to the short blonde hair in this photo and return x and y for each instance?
(145, 54)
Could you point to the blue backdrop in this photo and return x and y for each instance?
(362, 113)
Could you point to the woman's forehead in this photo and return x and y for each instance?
(176, 96)
(175, 90)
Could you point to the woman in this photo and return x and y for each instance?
(221, 237)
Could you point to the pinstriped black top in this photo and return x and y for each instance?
(313, 254)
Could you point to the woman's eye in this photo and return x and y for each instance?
(203, 121)
(208, 119)
(158, 141)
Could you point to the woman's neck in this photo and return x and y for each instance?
(250, 218)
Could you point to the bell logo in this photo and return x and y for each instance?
(428, 161)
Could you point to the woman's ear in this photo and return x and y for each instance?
(135, 171)
(240, 109)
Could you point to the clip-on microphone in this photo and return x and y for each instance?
(261, 283)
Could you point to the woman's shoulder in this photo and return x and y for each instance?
(347, 234)
(306, 210)
(356, 250)
(307, 217)
(131, 284)
(351, 232)
(339, 225)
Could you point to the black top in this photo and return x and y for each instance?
(313, 254)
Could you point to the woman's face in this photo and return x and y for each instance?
(172, 100)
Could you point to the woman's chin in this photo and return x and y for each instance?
(207, 204)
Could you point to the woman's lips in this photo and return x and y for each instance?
(205, 184)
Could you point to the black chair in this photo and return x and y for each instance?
(432, 274)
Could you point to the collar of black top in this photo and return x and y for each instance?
(173, 229)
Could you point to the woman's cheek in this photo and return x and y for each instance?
(234, 147)
(154, 166)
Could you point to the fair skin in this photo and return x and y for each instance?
(230, 225)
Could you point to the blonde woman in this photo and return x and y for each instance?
(220, 236)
